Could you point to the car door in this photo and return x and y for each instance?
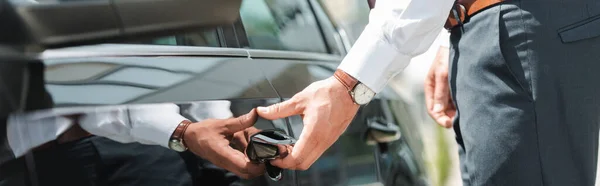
(219, 85)
(374, 149)
(312, 52)
(350, 161)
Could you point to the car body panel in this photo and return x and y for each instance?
(120, 80)
(217, 82)
(199, 83)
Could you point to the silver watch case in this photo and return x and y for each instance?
(177, 145)
(361, 94)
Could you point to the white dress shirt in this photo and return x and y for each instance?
(398, 30)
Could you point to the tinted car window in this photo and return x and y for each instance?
(268, 24)
(281, 25)
(207, 38)
(349, 16)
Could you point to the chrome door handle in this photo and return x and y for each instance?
(379, 131)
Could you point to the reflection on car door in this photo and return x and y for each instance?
(203, 87)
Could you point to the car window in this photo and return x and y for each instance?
(281, 25)
(205, 37)
(269, 24)
(349, 16)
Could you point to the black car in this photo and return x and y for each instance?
(272, 51)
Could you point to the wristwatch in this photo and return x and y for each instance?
(360, 93)
(176, 142)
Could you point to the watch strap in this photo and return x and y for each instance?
(180, 131)
(348, 81)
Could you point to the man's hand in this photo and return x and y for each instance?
(326, 108)
(210, 139)
(437, 93)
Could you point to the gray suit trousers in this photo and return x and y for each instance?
(524, 77)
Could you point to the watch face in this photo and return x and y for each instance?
(177, 146)
(362, 94)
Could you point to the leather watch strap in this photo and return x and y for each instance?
(180, 130)
(348, 81)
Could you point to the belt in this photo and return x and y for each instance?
(463, 9)
(72, 134)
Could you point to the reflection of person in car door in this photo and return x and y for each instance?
(520, 89)
(52, 145)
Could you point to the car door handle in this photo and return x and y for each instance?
(380, 131)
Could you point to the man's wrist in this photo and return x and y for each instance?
(359, 93)
(338, 88)
(177, 142)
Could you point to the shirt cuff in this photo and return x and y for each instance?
(25, 133)
(373, 61)
(155, 124)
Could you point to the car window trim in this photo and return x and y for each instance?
(311, 5)
(122, 50)
(336, 39)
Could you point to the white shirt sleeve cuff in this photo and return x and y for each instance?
(25, 133)
(373, 61)
(154, 124)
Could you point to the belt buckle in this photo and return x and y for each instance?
(456, 17)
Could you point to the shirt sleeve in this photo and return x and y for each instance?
(148, 124)
(26, 131)
(397, 31)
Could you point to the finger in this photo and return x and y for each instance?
(441, 92)
(251, 131)
(449, 115)
(298, 159)
(281, 110)
(240, 141)
(440, 60)
(283, 150)
(285, 163)
(300, 152)
(236, 162)
(442, 101)
(429, 85)
(444, 120)
(294, 156)
(234, 125)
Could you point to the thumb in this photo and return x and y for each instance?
(280, 110)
